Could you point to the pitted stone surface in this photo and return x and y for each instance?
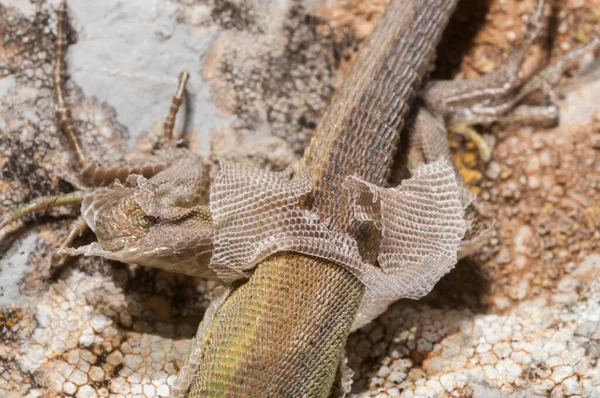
(520, 322)
(536, 350)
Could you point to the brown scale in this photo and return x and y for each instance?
(282, 333)
(260, 342)
(121, 224)
(99, 176)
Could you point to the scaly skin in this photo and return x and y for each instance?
(282, 333)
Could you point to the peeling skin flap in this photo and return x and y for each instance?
(179, 235)
(422, 225)
(256, 214)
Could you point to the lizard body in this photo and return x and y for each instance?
(282, 333)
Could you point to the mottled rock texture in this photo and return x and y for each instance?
(519, 318)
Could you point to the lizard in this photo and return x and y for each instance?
(294, 349)
(323, 150)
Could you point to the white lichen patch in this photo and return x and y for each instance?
(15, 264)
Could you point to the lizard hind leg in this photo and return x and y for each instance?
(539, 88)
(484, 99)
(498, 96)
(44, 203)
(545, 83)
(78, 227)
(456, 98)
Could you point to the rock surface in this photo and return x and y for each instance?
(520, 318)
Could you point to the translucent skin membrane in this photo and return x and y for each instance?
(421, 223)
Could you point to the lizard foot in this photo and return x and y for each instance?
(510, 94)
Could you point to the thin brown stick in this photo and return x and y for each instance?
(63, 111)
(175, 104)
(41, 204)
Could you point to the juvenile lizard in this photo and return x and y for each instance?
(282, 332)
